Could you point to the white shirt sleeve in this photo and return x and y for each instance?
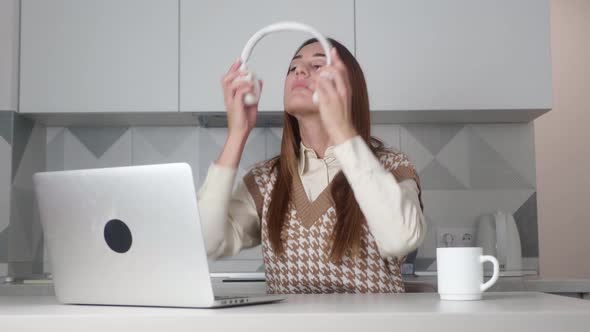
(392, 209)
(229, 221)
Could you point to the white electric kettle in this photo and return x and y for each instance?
(498, 236)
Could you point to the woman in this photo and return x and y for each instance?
(335, 211)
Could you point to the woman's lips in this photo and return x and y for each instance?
(299, 84)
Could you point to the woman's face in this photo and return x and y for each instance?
(301, 78)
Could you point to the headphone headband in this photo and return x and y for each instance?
(284, 26)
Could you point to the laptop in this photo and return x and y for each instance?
(128, 236)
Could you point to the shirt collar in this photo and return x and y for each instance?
(306, 154)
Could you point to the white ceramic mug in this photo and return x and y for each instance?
(460, 273)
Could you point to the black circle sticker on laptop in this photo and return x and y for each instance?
(117, 236)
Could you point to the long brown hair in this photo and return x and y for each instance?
(348, 231)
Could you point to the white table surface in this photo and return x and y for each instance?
(505, 312)
(504, 284)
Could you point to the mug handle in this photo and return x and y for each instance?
(495, 276)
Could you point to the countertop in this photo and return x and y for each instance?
(529, 283)
(504, 284)
(509, 311)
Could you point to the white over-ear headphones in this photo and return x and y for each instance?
(252, 98)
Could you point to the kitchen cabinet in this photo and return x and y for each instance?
(99, 56)
(9, 21)
(425, 61)
(213, 33)
(454, 55)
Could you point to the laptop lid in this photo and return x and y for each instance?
(125, 236)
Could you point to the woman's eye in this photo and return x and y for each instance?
(292, 69)
(316, 67)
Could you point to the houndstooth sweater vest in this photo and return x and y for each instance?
(305, 266)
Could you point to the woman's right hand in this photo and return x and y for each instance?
(241, 118)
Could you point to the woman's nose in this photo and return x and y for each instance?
(301, 70)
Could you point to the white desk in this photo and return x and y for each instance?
(498, 312)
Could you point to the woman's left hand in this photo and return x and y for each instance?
(334, 100)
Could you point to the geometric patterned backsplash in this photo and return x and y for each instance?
(5, 186)
(22, 153)
(466, 170)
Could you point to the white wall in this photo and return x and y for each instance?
(563, 147)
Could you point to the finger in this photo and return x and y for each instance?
(230, 85)
(331, 87)
(240, 93)
(229, 78)
(336, 60)
(235, 66)
(329, 74)
(247, 88)
(225, 85)
(324, 72)
(231, 74)
(239, 85)
(339, 64)
(321, 94)
(328, 89)
(339, 81)
(230, 91)
(260, 84)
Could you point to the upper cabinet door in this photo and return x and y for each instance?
(99, 56)
(213, 34)
(455, 54)
(8, 54)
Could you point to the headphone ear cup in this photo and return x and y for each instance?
(253, 98)
(250, 99)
